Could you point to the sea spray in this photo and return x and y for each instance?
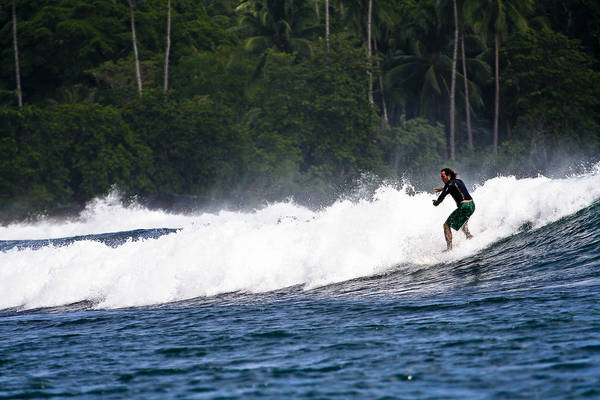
(280, 245)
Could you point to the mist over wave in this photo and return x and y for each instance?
(280, 245)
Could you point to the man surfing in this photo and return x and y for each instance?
(464, 203)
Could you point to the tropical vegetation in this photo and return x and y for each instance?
(254, 100)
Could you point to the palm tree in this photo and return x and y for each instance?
(422, 70)
(166, 81)
(17, 68)
(452, 126)
(369, 51)
(138, 74)
(386, 119)
(496, 17)
(477, 47)
(476, 71)
(327, 23)
(465, 80)
(284, 25)
(453, 86)
(369, 30)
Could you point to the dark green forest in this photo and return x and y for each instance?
(259, 100)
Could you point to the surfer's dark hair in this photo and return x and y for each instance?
(449, 172)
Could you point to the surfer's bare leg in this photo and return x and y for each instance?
(448, 236)
(466, 231)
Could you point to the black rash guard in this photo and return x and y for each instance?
(457, 190)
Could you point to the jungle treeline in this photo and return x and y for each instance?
(266, 99)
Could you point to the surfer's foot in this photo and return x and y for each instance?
(469, 236)
(447, 250)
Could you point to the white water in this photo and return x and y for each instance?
(275, 247)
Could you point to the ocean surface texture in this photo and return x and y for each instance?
(352, 301)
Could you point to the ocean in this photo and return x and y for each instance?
(355, 300)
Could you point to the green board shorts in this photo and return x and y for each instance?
(461, 215)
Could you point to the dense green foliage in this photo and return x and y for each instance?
(61, 153)
(262, 105)
(561, 116)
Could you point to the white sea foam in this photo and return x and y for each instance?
(274, 247)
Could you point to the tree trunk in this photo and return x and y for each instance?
(453, 84)
(327, 23)
(317, 8)
(467, 101)
(537, 136)
(497, 90)
(166, 85)
(138, 74)
(386, 119)
(369, 52)
(17, 67)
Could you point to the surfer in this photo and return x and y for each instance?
(464, 204)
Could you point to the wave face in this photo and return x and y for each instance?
(112, 256)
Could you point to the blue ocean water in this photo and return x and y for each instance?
(353, 301)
